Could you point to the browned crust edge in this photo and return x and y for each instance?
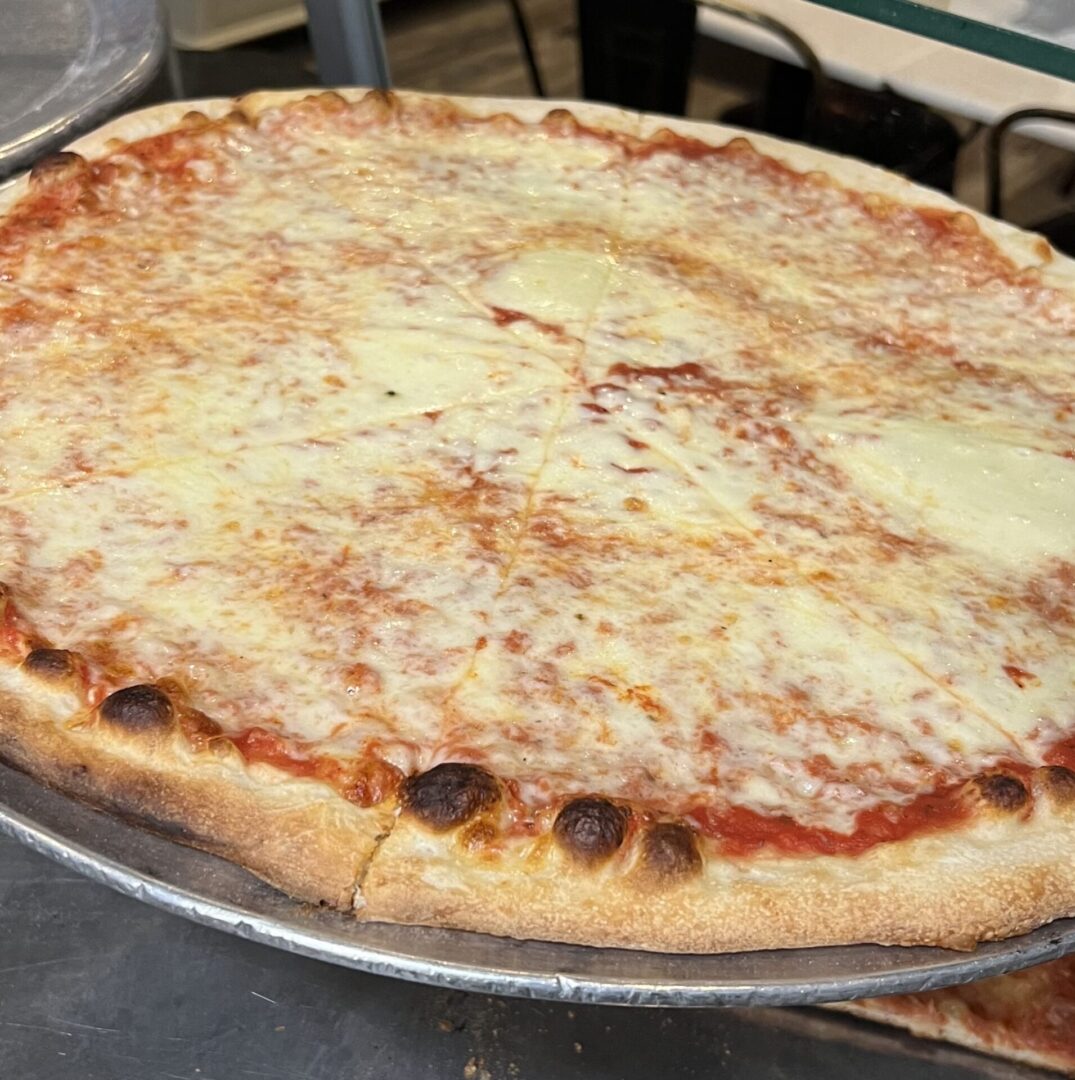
(1024, 248)
(1001, 874)
(950, 1026)
(298, 835)
(994, 877)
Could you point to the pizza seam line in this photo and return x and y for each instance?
(569, 393)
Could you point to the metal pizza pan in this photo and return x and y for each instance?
(216, 893)
(66, 65)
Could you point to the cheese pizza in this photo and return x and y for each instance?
(552, 522)
(1027, 1016)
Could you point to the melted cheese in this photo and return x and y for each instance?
(644, 633)
(670, 478)
(329, 589)
(1003, 503)
(555, 286)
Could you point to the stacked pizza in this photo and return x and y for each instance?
(569, 524)
(1027, 1016)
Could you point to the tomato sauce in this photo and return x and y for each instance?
(1063, 753)
(741, 831)
(1020, 676)
(257, 744)
(365, 783)
(12, 639)
(506, 316)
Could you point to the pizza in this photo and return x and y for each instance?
(1028, 1016)
(555, 522)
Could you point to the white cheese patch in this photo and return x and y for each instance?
(556, 286)
(1007, 504)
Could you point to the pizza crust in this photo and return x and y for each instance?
(527, 110)
(931, 1024)
(298, 835)
(997, 876)
(1024, 248)
(121, 130)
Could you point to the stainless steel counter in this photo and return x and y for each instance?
(97, 986)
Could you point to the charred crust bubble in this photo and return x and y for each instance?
(670, 850)
(561, 121)
(449, 794)
(376, 106)
(57, 166)
(384, 98)
(1001, 792)
(1059, 782)
(591, 829)
(49, 664)
(138, 708)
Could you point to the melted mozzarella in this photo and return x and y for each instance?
(1000, 502)
(647, 635)
(330, 589)
(556, 286)
(666, 478)
(519, 219)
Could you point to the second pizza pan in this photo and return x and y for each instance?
(219, 894)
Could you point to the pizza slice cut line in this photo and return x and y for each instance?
(790, 494)
(385, 420)
(822, 590)
(789, 410)
(654, 437)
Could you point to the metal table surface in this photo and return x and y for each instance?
(97, 986)
(67, 64)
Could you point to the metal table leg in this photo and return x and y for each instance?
(993, 147)
(348, 42)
